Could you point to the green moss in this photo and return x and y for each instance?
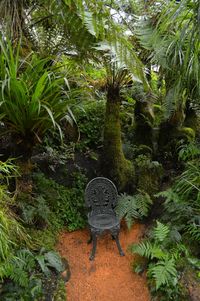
(66, 204)
(45, 238)
(144, 118)
(192, 120)
(119, 169)
(187, 132)
(149, 174)
(90, 120)
(60, 294)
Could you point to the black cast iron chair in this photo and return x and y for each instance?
(101, 199)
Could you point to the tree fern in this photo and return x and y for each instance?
(172, 40)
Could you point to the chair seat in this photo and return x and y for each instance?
(103, 221)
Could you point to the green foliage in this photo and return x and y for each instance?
(161, 232)
(189, 152)
(193, 229)
(22, 269)
(163, 255)
(34, 210)
(173, 41)
(34, 95)
(67, 204)
(169, 248)
(48, 260)
(90, 120)
(5, 242)
(149, 173)
(11, 231)
(46, 237)
(182, 200)
(145, 161)
(60, 294)
(133, 207)
(8, 169)
(55, 153)
(164, 273)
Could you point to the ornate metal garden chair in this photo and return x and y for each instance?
(101, 199)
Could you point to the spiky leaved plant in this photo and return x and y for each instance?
(34, 98)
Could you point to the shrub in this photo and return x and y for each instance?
(90, 120)
(67, 204)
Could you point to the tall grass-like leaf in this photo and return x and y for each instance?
(39, 87)
(32, 93)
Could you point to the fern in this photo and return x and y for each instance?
(143, 249)
(194, 231)
(160, 232)
(169, 195)
(164, 272)
(133, 207)
(148, 249)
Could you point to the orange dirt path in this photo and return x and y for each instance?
(109, 277)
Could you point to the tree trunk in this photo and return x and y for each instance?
(115, 166)
(144, 117)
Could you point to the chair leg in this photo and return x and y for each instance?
(94, 240)
(118, 245)
(112, 236)
(115, 235)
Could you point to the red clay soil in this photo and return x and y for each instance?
(109, 277)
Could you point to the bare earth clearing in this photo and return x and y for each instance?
(109, 276)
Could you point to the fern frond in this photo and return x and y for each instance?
(143, 249)
(148, 249)
(164, 272)
(160, 232)
(133, 207)
(194, 231)
(144, 203)
(169, 195)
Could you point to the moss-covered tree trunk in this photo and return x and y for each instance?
(115, 165)
(144, 117)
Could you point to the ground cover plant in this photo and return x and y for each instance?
(99, 88)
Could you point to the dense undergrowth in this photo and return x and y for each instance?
(171, 248)
(30, 267)
(88, 89)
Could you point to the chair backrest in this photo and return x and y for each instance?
(101, 194)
